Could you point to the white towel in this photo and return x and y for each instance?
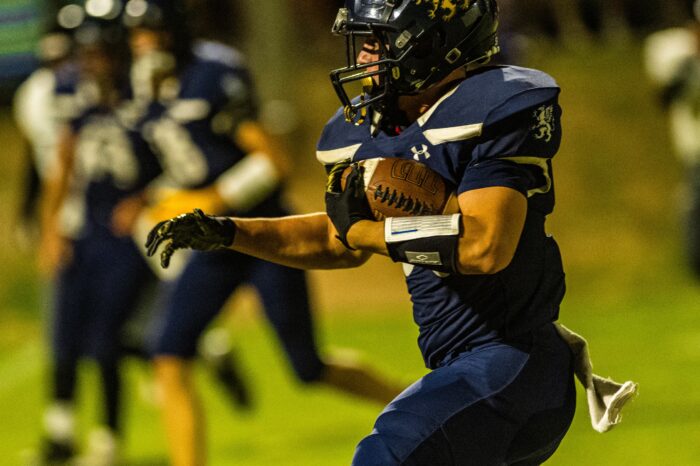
(606, 398)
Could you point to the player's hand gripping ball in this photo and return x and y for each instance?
(403, 187)
(346, 203)
(194, 230)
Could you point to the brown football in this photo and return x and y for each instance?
(403, 187)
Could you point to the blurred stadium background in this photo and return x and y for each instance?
(618, 221)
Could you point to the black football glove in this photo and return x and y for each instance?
(349, 206)
(194, 230)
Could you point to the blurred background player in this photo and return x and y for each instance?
(98, 274)
(201, 120)
(43, 104)
(36, 111)
(673, 64)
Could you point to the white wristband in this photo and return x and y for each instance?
(398, 229)
(249, 182)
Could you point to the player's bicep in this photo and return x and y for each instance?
(492, 222)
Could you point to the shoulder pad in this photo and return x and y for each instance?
(202, 69)
(211, 62)
(217, 52)
(490, 95)
(215, 82)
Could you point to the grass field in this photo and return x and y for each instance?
(617, 221)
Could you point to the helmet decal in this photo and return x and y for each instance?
(446, 9)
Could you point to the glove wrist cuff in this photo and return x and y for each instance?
(228, 230)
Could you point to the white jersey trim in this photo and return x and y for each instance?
(426, 116)
(329, 157)
(453, 133)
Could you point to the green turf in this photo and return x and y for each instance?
(295, 425)
(629, 293)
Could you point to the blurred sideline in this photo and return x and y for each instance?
(617, 221)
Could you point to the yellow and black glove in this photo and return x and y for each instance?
(194, 230)
(345, 207)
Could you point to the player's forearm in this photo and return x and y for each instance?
(476, 251)
(300, 241)
(54, 188)
(367, 235)
(49, 204)
(490, 226)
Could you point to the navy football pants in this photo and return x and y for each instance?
(94, 296)
(207, 281)
(496, 404)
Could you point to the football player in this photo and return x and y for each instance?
(34, 108)
(202, 123)
(672, 59)
(486, 283)
(97, 274)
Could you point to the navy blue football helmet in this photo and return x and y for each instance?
(95, 24)
(169, 16)
(420, 43)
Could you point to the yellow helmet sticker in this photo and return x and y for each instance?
(445, 9)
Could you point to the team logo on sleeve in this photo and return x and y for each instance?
(544, 123)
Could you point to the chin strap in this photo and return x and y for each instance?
(358, 117)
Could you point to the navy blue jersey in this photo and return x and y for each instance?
(498, 127)
(70, 96)
(111, 163)
(192, 130)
